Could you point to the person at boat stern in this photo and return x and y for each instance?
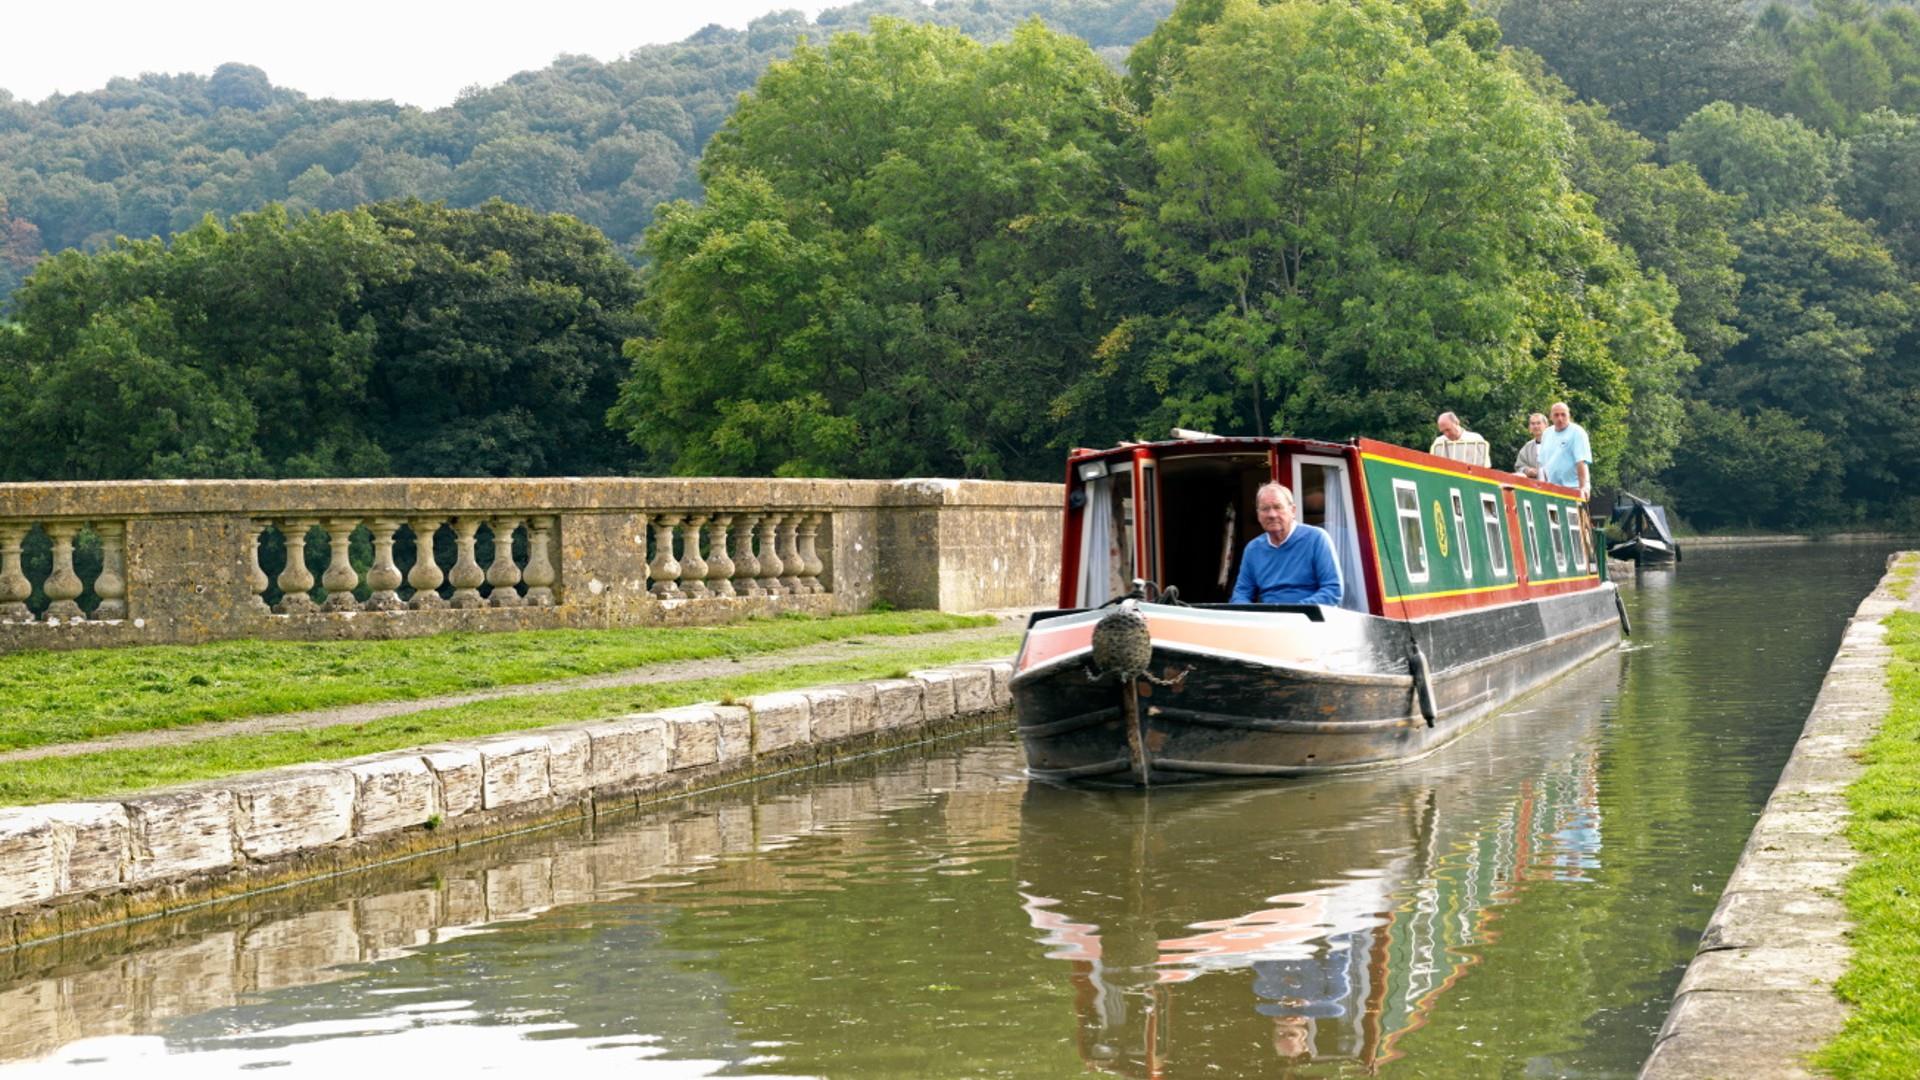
(1565, 456)
(1290, 562)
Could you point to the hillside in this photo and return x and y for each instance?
(605, 142)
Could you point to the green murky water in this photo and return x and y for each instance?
(1521, 905)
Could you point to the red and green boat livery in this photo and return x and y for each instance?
(1464, 587)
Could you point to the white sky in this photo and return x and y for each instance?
(417, 52)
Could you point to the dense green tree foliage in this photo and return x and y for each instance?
(910, 244)
(1828, 320)
(395, 338)
(1775, 162)
(1652, 62)
(1372, 227)
(1844, 60)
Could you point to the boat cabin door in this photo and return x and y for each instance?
(1323, 491)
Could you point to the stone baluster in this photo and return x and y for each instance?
(425, 576)
(665, 569)
(809, 558)
(693, 568)
(770, 565)
(746, 567)
(504, 574)
(340, 578)
(466, 575)
(790, 565)
(720, 567)
(383, 577)
(111, 585)
(540, 574)
(257, 579)
(14, 586)
(295, 579)
(63, 585)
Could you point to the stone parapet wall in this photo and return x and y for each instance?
(176, 562)
(130, 981)
(67, 867)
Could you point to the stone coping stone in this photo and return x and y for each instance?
(1757, 998)
(56, 852)
(551, 495)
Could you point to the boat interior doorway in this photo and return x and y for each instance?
(1206, 518)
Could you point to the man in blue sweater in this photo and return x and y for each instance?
(1292, 563)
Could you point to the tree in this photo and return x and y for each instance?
(1369, 228)
(403, 337)
(1668, 217)
(1775, 162)
(909, 245)
(1881, 182)
(239, 86)
(1652, 63)
(499, 351)
(1827, 315)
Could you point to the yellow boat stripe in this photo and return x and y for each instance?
(1454, 592)
(1470, 479)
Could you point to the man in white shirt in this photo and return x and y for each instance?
(1457, 443)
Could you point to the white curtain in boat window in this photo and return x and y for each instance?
(1346, 542)
(1096, 543)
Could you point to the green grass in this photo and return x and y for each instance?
(1882, 1036)
(55, 697)
(118, 772)
(1900, 579)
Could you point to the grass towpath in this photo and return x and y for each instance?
(70, 697)
(1882, 1036)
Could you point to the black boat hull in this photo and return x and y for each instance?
(1241, 717)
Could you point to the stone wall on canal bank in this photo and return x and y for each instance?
(70, 867)
(1758, 997)
(180, 562)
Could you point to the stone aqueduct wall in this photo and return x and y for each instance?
(181, 561)
(68, 867)
(214, 957)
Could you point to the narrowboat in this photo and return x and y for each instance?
(1646, 537)
(1464, 587)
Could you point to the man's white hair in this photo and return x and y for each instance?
(1275, 486)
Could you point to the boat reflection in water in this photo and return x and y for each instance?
(1324, 917)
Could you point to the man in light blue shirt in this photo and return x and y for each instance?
(1290, 562)
(1565, 456)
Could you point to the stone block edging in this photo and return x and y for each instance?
(1758, 997)
(69, 867)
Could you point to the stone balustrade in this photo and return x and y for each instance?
(161, 562)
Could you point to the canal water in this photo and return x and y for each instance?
(1520, 905)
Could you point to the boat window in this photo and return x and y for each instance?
(1559, 544)
(1533, 537)
(1496, 534)
(1460, 534)
(1413, 537)
(1574, 539)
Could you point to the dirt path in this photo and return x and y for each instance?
(675, 671)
